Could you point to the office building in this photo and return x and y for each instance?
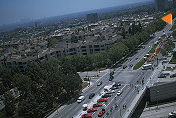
(161, 5)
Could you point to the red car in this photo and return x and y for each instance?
(101, 112)
(97, 105)
(91, 110)
(86, 116)
(102, 100)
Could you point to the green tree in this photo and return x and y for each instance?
(9, 102)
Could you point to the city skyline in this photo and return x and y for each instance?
(18, 10)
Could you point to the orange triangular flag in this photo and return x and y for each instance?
(167, 18)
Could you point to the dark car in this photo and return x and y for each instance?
(112, 73)
(106, 95)
(114, 87)
(173, 75)
(163, 75)
(99, 83)
(124, 66)
(111, 78)
(91, 95)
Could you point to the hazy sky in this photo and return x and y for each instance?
(14, 10)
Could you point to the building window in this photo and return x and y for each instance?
(97, 49)
(90, 46)
(83, 46)
(96, 46)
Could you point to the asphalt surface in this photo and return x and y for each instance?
(130, 87)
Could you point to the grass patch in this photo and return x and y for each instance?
(100, 69)
(2, 114)
(173, 27)
(153, 49)
(162, 37)
(173, 60)
(139, 64)
(84, 85)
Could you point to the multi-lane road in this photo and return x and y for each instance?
(131, 84)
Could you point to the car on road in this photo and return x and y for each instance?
(173, 75)
(117, 84)
(163, 75)
(91, 95)
(119, 93)
(131, 65)
(92, 110)
(106, 95)
(86, 116)
(80, 99)
(102, 100)
(114, 87)
(111, 78)
(124, 66)
(112, 73)
(112, 91)
(172, 114)
(101, 113)
(99, 83)
(97, 105)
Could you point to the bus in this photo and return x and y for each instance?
(147, 66)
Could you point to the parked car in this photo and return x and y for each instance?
(91, 110)
(91, 95)
(86, 116)
(102, 100)
(101, 113)
(97, 105)
(99, 83)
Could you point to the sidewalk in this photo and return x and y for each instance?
(160, 106)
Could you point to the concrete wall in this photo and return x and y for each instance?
(163, 92)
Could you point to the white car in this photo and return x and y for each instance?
(112, 91)
(171, 114)
(80, 99)
(119, 93)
